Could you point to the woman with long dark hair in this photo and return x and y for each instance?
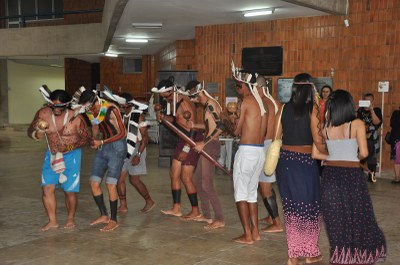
(353, 233)
(297, 172)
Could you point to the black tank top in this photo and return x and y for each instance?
(295, 131)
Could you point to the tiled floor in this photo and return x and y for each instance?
(141, 238)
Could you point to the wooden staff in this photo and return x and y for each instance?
(189, 141)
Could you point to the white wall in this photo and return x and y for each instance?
(24, 98)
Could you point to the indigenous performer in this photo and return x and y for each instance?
(354, 235)
(297, 172)
(184, 158)
(135, 161)
(62, 162)
(265, 182)
(110, 143)
(249, 159)
(205, 170)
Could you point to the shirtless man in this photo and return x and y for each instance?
(106, 119)
(135, 161)
(265, 182)
(249, 159)
(184, 158)
(64, 135)
(205, 170)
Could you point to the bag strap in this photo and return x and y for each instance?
(279, 122)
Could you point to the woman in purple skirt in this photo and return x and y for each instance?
(297, 172)
(354, 235)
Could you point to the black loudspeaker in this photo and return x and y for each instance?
(263, 60)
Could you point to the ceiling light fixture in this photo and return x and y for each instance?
(128, 48)
(137, 40)
(147, 25)
(259, 12)
(111, 54)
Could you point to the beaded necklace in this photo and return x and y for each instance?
(102, 113)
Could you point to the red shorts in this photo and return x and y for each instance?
(192, 157)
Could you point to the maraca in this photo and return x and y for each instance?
(187, 115)
(231, 107)
(42, 125)
(157, 107)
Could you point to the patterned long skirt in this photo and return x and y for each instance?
(299, 185)
(354, 235)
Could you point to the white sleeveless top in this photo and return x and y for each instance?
(342, 149)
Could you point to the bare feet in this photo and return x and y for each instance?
(70, 224)
(191, 217)
(101, 220)
(276, 227)
(48, 226)
(243, 240)
(294, 261)
(255, 235)
(203, 219)
(148, 207)
(111, 226)
(266, 220)
(172, 212)
(313, 259)
(122, 209)
(215, 225)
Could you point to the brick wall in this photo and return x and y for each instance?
(179, 55)
(138, 84)
(77, 73)
(366, 52)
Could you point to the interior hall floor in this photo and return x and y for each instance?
(151, 238)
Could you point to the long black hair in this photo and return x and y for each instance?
(60, 95)
(339, 108)
(87, 96)
(302, 97)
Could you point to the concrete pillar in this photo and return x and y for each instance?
(3, 93)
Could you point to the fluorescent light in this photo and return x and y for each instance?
(111, 54)
(147, 25)
(258, 12)
(128, 48)
(137, 40)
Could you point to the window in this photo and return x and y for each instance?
(33, 10)
(132, 65)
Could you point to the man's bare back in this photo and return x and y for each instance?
(252, 125)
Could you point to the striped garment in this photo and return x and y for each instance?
(133, 135)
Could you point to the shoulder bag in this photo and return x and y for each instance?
(273, 151)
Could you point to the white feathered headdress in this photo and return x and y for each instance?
(245, 77)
